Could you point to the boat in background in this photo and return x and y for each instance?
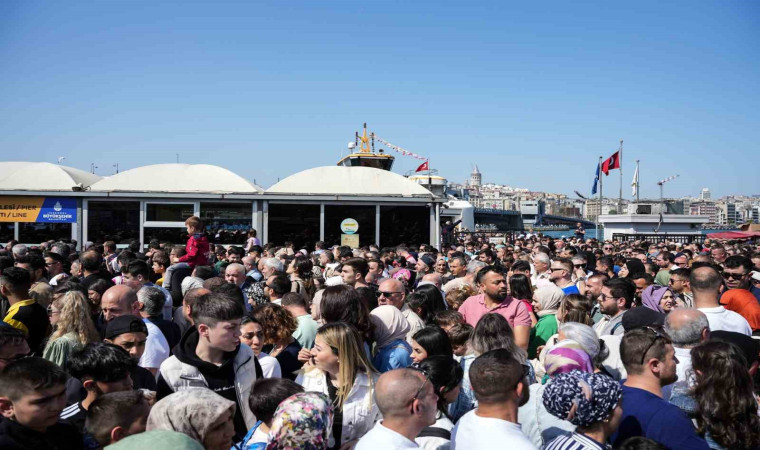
(366, 155)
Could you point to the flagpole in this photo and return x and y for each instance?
(637, 180)
(620, 198)
(600, 200)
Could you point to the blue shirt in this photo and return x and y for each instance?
(571, 289)
(645, 414)
(396, 355)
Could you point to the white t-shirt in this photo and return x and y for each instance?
(270, 367)
(156, 348)
(475, 432)
(380, 437)
(722, 319)
(436, 443)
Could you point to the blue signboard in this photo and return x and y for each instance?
(58, 210)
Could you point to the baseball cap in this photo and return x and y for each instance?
(125, 324)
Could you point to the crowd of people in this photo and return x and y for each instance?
(531, 343)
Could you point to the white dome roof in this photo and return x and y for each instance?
(359, 181)
(42, 176)
(194, 178)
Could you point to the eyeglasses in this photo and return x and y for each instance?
(579, 266)
(734, 276)
(386, 294)
(657, 335)
(424, 382)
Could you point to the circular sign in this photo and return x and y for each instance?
(349, 226)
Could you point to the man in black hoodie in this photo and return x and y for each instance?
(32, 395)
(209, 355)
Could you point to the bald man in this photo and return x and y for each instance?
(705, 285)
(687, 328)
(121, 300)
(391, 292)
(408, 402)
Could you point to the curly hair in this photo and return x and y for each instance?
(726, 406)
(74, 318)
(277, 322)
(456, 297)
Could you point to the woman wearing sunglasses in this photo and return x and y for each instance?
(340, 369)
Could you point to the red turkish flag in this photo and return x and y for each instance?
(423, 166)
(613, 162)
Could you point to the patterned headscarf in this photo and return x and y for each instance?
(390, 325)
(582, 398)
(566, 356)
(302, 421)
(190, 412)
(549, 298)
(651, 297)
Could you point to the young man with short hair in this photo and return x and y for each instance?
(268, 393)
(501, 387)
(307, 327)
(114, 416)
(210, 356)
(277, 286)
(353, 272)
(32, 395)
(40, 289)
(101, 368)
(131, 334)
(25, 313)
(649, 358)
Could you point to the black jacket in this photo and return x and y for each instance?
(61, 436)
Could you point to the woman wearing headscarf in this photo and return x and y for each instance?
(537, 423)
(591, 402)
(302, 421)
(199, 413)
(631, 267)
(391, 349)
(546, 301)
(658, 298)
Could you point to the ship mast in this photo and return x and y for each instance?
(365, 140)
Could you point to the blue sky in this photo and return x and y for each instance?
(533, 92)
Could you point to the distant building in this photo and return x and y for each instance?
(476, 178)
(704, 208)
(705, 195)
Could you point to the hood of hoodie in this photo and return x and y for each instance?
(185, 352)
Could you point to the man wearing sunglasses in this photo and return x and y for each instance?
(737, 296)
(649, 358)
(705, 283)
(408, 401)
(615, 299)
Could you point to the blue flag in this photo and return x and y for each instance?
(596, 180)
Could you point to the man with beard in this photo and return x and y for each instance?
(649, 359)
(615, 299)
(494, 299)
(501, 387)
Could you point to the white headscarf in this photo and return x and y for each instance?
(390, 325)
(549, 298)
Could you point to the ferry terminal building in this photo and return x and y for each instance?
(41, 201)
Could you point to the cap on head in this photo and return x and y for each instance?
(125, 324)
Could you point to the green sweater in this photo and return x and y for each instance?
(545, 328)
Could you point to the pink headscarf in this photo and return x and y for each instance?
(651, 297)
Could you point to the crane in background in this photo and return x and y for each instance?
(661, 182)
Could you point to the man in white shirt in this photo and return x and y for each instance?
(501, 387)
(391, 292)
(408, 402)
(705, 285)
(687, 328)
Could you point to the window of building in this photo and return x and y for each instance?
(36, 233)
(168, 212)
(171, 235)
(404, 224)
(227, 223)
(113, 221)
(295, 223)
(7, 231)
(363, 214)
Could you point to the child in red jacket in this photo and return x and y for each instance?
(197, 250)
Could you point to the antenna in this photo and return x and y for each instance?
(93, 167)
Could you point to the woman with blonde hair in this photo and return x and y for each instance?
(340, 369)
(70, 314)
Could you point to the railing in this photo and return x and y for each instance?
(660, 237)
